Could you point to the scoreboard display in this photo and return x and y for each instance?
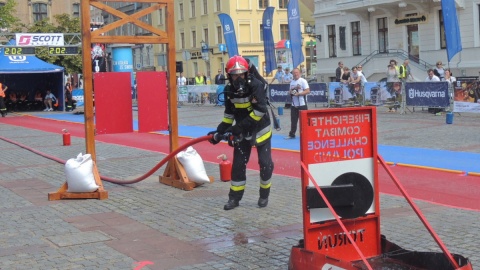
(63, 50)
(12, 50)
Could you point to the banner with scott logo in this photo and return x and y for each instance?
(427, 94)
(39, 39)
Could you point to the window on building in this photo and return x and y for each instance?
(160, 16)
(443, 40)
(244, 33)
(284, 34)
(180, 11)
(356, 38)
(205, 7)
(192, 8)
(2, 4)
(282, 3)
(261, 32)
(219, 34)
(218, 5)
(332, 41)
(76, 10)
(382, 35)
(39, 11)
(194, 38)
(205, 34)
(182, 40)
(262, 3)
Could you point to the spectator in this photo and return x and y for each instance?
(299, 89)
(219, 78)
(278, 75)
(404, 71)
(303, 71)
(49, 101)
(69, 97)
(449, 78)
(288, 77)
(355, 76)
(439, 71)
(361, 74)
(339, 72)
(345, 78)
(431, 76)
(392, 72)
(181, 80)
(199, 79)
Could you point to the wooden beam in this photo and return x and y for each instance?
(130, 39)
(125, 18)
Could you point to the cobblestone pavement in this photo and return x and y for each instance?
(149, 225)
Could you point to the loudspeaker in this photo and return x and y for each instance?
(179, 66)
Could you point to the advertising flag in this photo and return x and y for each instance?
(268, 44)
(452, 30)
(295, 33)
(229, 34)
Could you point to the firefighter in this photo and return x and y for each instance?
(246, 118)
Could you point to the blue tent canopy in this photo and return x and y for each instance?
(28, 74)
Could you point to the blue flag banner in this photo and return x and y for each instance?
(452, 30)
(268, 44)
(229, 34)
(295, 33)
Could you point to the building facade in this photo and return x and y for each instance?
(371, 32)
(197, 22)
(30, 11)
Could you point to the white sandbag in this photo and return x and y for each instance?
(193, 164)
(79, 173)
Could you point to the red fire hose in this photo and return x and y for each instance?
(119, 181)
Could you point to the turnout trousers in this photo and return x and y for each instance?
(241, 156)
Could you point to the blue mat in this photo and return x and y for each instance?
(443, 159)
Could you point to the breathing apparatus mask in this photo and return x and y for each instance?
(239, 86)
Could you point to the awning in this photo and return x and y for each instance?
(281, 44)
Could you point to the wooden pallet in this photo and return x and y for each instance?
(62, 192)
(175, 176)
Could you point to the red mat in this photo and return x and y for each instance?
(438, 187)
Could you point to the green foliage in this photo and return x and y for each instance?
(64, 23)
(7, 15)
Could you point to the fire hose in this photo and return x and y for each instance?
(215, 136)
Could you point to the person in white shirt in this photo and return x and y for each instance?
(299, 89)
(288, 77)
(49, 100)
(181, 80)
(431, 77)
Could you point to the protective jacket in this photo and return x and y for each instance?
(249, 111)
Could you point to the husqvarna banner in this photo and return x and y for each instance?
(427, 94)
(295, 33)
(229, 34)
(318, 93)
(39, 39)
(268, 44)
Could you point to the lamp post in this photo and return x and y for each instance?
(312, 46)
(310, 31)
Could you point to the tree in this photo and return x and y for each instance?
(7, 15)
(64, 23)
